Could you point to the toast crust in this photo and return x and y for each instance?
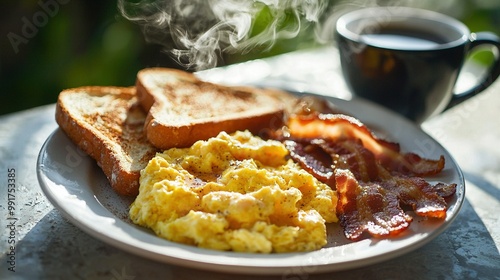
(108, 124)
(183, 109)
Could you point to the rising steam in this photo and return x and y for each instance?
(197, 32)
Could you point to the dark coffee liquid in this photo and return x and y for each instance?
(402, 39)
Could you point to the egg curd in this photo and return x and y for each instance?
(234, 192)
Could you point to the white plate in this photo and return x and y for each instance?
(78, 189)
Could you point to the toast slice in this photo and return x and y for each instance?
(108, 124)
(183, 109)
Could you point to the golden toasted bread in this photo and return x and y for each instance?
(183, 109)
(108, 124)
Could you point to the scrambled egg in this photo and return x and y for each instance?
(234, 192)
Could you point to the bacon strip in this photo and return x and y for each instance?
(367, 208)
(375, 208)
(313, 159)
(320, 157)
(338, 126)
(425, 199)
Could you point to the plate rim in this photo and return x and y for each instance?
(247, 268)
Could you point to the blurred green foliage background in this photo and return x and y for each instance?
(50, 45)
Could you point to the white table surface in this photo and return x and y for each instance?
(49, 247)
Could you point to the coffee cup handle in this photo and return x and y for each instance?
(481, 39)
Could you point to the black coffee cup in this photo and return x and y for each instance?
(408, 59)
